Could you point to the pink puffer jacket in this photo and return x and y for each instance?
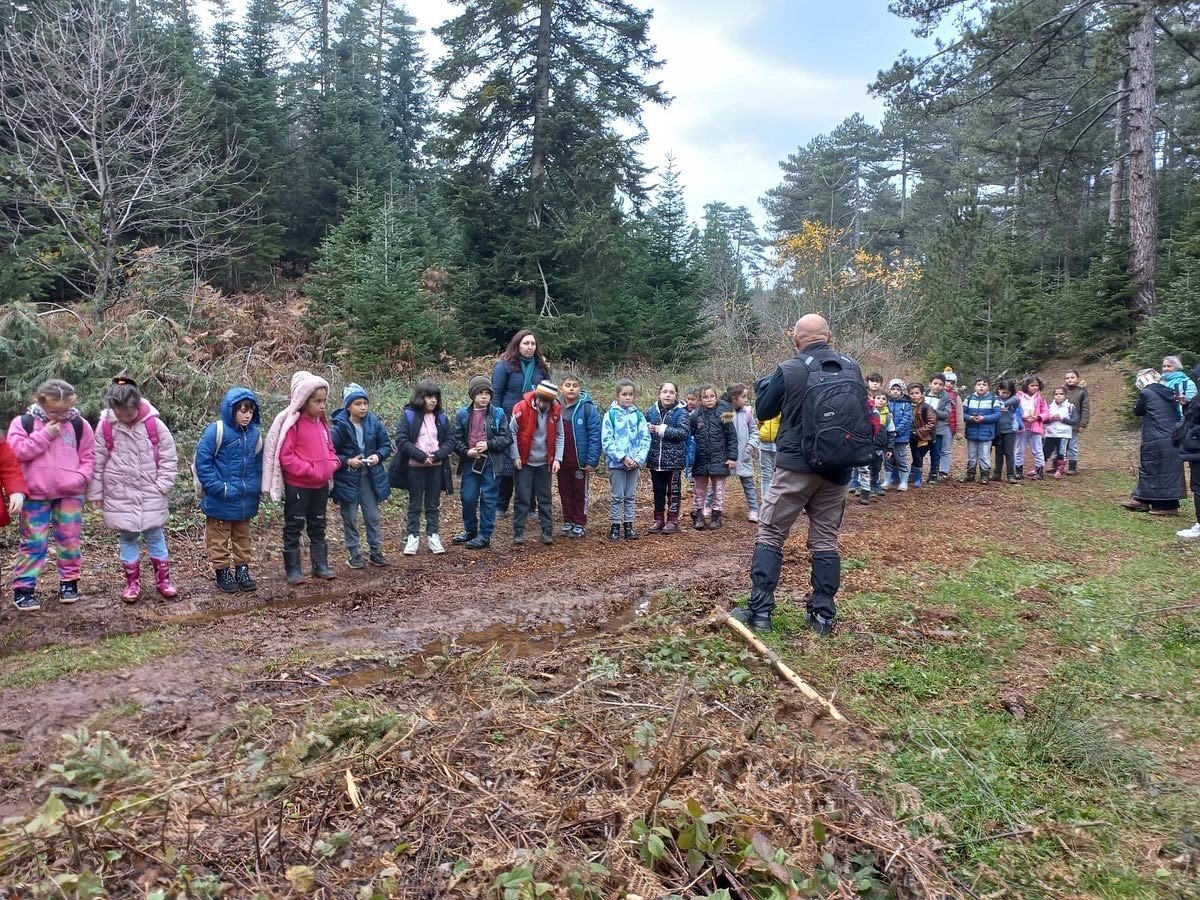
(132, 488)
(53, 467)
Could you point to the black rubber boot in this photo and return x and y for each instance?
(631, 532)
(291, 566)
(1072, 467)
(826, 579)
(226, 581)
(614, 532)
(765, 566)
(318, 552)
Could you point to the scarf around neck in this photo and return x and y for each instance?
(527, 368)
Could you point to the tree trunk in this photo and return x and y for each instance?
(541, 104)
(1143, 211)
(323, 25)
(1117, 192)
(537, 162)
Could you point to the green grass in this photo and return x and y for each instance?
(52, 663)
(1067, 799)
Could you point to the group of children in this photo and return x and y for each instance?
(1012, 426)
(53, 461)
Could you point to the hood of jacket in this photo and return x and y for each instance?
(230, 401)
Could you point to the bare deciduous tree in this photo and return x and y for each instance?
(100, 142)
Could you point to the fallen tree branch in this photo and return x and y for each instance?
(781, 667)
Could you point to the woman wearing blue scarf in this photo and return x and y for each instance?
(518, 370)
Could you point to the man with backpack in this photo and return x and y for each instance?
(825, 432)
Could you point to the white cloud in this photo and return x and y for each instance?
(737, 112)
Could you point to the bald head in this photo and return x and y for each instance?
(811, 329)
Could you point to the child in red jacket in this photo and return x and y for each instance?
(12, 485)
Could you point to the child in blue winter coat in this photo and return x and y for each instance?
(901, 409)
(1007, 427)
(228, 475)
(625, 438)
(362, 444)
(581, 454)
(981, 415)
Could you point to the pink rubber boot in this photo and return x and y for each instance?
(133, 582)
(162, 578)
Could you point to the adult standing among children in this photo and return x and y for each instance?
(1077, 394)
(1160, 472)
(799, 486)
(520, 368)
(1177, 381)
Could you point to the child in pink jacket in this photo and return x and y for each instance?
(136, 468)
(53, 444)
(298, 462)
(1034, 413)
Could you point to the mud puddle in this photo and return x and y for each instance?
(506, 641)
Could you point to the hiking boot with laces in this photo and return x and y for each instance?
(226, 582)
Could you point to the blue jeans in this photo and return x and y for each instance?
(1073, 449)
(935, 455)
(371, 518)
(156, 543)
(480, 492)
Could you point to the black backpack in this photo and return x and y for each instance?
(835, 424)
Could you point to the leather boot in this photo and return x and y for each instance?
(291, 566)
(821, 612)
(244, 581)
(672, 525)
(698, 520)
(318, 552)
(630, 532)
(716, 520)
(133, 582)
(226, 582)
(765, 566)
(162, 578)
(659, 524)
(969, 476)
(1073, 467)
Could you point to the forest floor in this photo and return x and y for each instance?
(1018, 666)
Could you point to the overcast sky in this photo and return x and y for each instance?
(752, 81)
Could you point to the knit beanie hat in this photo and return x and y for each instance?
(896, 382)
(351, 392)
(546, 388)
(1147, 377)
(478, 383)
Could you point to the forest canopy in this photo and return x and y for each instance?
(1033, 187)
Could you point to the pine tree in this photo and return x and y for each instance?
(537, 93)
(367, 289)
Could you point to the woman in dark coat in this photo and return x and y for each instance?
(1160, 472)
(518, 370)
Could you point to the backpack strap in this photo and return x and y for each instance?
(220, 436)
(106, 431)
(152, 433)
(27, 423)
